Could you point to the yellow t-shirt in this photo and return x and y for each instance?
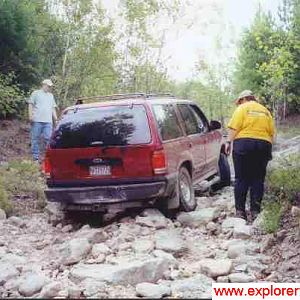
(252, 120)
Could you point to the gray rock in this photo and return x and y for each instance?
(31, 284)
(242, 232)
(223, 279)
(170, 240)
(143, 246)
(241, 278)
(154, 221)
(126, 273)
(295, 211)
(199, 217)
(16, 221)
(2, 214)
(74, 292)
(212, 227)
(164, 255)
(150, 290)
(51, 290)
(12, 284)
(92, 287)
(67, 228)
(236, 250)
(100, 248)
(7, 271)
(216, 267)
(14, 259)
(55, 213)
(150, 212)
(267, 242)
(74, 251)
(93, 235)
(195, 287)
(231, 223)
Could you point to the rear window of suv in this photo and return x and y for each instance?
(102, 126)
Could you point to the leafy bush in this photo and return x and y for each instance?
(23, 183)
(283, 185)
(11, 97)
(284, 181)
(5, 203)
(271, 216)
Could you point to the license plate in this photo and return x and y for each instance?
(100, 170)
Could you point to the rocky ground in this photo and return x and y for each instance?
(146, 255)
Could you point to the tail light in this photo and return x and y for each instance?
(47, 168)
(159, 162)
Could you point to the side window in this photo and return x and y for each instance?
(202, 121)
(190, 120)
(167, 121)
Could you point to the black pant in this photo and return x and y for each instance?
(250, 158)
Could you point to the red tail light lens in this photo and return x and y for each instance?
(47, 166)
(159, 162)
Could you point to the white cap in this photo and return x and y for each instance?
(47, 82)
(244, 94)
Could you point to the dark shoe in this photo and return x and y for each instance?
(252, 216)
(241, 214)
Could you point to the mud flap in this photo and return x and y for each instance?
(174, 201)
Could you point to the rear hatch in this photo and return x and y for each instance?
(94, 145)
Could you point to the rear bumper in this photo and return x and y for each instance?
(102, 196)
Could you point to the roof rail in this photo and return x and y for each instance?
(152, 95)
(82, 100)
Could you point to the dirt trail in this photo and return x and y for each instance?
(145, 255)
(181, 256)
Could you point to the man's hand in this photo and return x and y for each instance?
(227, 148)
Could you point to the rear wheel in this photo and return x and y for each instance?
(186, 190)
(224, 170)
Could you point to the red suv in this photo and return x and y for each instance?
(133, 150)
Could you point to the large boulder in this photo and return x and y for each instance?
(152, 218)
(242, 231)
(216, 267)
(7, 272)
(199, 217)
(132, 273)
(31, 284)
(231, 223)
(195, 287)
(51, 290)
(170, 240)
(151, 290)
(55, 213)
(74, 251)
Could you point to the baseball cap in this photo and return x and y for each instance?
(47, 82)
(244, 94)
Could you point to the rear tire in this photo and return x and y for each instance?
(186, 190)
(224, 171)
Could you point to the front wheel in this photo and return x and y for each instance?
(224, 170)
(186, 190)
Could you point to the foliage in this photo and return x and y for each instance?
(271, 216)
(268, 60)
(284, 182)
(11, 97)
(21, 180)
(5, 203)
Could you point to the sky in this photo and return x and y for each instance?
(194, 34)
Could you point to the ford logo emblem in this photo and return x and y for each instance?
(97, 160)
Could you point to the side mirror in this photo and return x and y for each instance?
(215, 125)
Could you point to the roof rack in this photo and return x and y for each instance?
(167, 95)
(82, 100)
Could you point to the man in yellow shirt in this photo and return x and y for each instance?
(251, 130)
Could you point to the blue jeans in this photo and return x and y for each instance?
(38, 130)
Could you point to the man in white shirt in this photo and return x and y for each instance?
(42, 112)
